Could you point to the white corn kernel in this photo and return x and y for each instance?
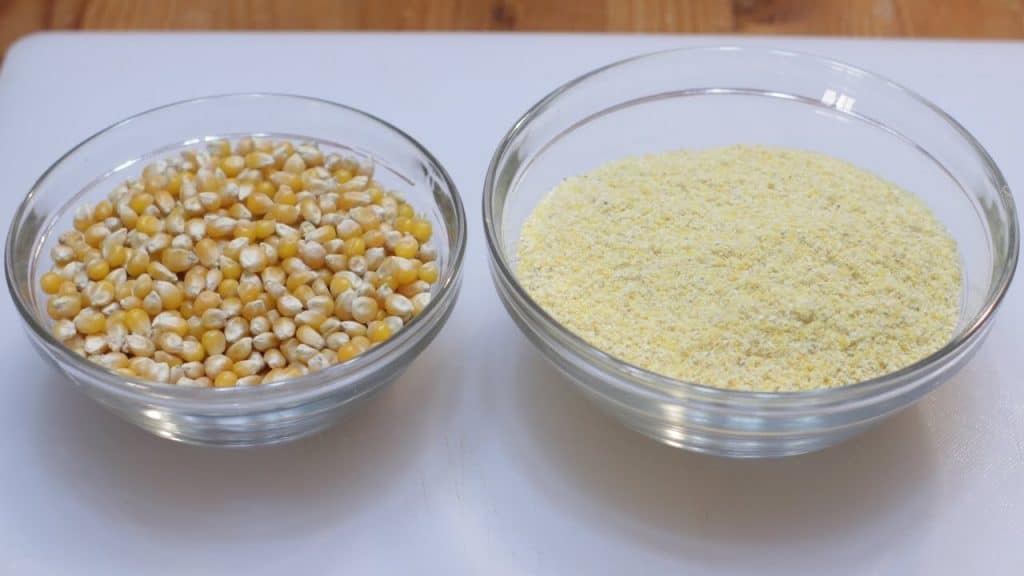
(216, 364)
(274, 359)
(289, 305)
(336, 340)
(193, 369)
(139, 345)
(95, 344)
(353, 329)
(235, 328)
(284, 328)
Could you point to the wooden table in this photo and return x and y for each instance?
(949, 18)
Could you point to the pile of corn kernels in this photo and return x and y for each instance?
(239, 265)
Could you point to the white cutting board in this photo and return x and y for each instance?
(481, 459)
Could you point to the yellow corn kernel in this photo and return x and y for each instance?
(137, 321)
(403, 270)
(207, 181)
(103, 210)
(238, 211)
(248, 291)
(403, 224)
(116, 317)
(207, 252)
(137, 263)
(97, 269)
(226, 379)
(228, 288)
(376, 195)
(83, 218)
(170, 295)
(355, 246)
(140, 202)
(374, 238)
(259, 203)
(214, 342)
(287, 248)
(142, 286)
(263, 229)
(258, 160)
(342, 175)
(378, 331)
(265, 187)
(421, 229)
(362, 343)
(192, 351)
(90, 321)
(405, 211)
(232, 166)
(179, 259)
(204, 301)
(428, 272)
(117, 256)
(407, 247)
(339, 284)
(64, 306)
(285, 195)
(95, 234)
(155, 183)
(347, 351)
(365, 217)
(285, 213)
(50, 282)
(174, 184)
(230, 268)
(286, 179)
(67, 287)
(245, 229)
(304, 293)
(149, 224)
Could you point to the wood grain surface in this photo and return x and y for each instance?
(917, 18)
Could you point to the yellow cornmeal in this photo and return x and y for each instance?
(744, 267)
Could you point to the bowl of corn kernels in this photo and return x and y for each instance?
(748, 252)
(238, 270)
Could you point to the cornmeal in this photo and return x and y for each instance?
(744, 267)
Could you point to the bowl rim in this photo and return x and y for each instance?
(264, 396)
(657, 387)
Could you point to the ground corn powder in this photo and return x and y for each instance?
(744, 267)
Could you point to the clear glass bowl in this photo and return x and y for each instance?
(699, 98)
(250, 415)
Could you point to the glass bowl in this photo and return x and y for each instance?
(242, 416)
(698, 98)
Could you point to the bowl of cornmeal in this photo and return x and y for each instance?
(748, 252)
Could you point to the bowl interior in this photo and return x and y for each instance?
(89, 172)
(705, 98)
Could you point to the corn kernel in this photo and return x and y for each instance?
(230, 268)
(378, 331)
(137, 262)
(97, 269)
(285, 213)
(89, 321)
(225, 379)
(137, 322)
(347, 351)
(407, 247)
(421, 229)
(403, 224)
(355, 246)
(428, 272)
(50, 282)
(139, 202)
(214, 342)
